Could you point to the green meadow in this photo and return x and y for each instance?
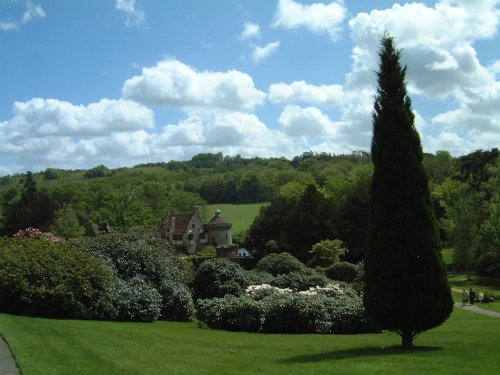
(466, 344)
(240, 215)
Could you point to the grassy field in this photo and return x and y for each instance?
(240, 215)
(466, 344)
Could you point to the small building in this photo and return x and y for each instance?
(218, 231)
(186, 231)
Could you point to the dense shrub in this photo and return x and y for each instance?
(334, 308)
(135, 299)
(132, 255)
(43, 278)
(153, 267)
(230, 313)
(295, 314)
(343, 271)
(218, 277)
(279, 264)
(256, 277)
(347, 315)
(300, 280)
(177, 302)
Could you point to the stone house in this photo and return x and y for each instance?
(186, 230)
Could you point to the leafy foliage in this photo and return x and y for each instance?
(326, 253)
(151, 276)
(218, 277)
(343, 271)
(273, 310)
(44, 278)
(278, 264)
(230, 313)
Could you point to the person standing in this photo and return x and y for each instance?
(465, 296)
(472, 296)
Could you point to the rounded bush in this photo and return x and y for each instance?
(43, 278)
(279, 264)
(135, 300)
(218, 277)
(342, 271)
(133, 255)
(177, 302)
(290, 313)
(300, 280)
(230, 313)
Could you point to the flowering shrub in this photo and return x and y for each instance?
(331, 290)
(259, 292)
(230, 313)
(334, 308)
(302, 280)
(37, 234)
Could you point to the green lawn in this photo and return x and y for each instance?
(240, 215)
(479, 284)
(466, 344)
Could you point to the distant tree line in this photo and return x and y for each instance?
(312, 197)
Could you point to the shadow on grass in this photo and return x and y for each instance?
(357, 353)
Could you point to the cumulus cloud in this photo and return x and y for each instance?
(250, 30)
(261, 53)
(134, 16)
(316, 17)
(172, 83)
(352, 107)
(218, 129)
(309, 121)
(52, 133)
(301, 91)
(437, 43)
(46, 117)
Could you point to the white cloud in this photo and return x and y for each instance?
(172, 83)
(32, 11)
(437, 43)
(309, 121)
(51, 133)
(39, 118)
(8, 26)
(495, 68)
(261, 53)
(250, 30)
(303, 92)
(316, 17)
(134, 16)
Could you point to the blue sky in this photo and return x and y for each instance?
(123, 82)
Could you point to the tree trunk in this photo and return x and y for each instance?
(407, 340)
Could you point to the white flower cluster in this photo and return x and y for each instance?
(254, 289)
(265, 290)
(331, 290)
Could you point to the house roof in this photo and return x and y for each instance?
(218, 219)
(178, 223)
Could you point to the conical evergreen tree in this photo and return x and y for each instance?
(406, 286)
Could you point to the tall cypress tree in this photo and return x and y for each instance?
(406, 286)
